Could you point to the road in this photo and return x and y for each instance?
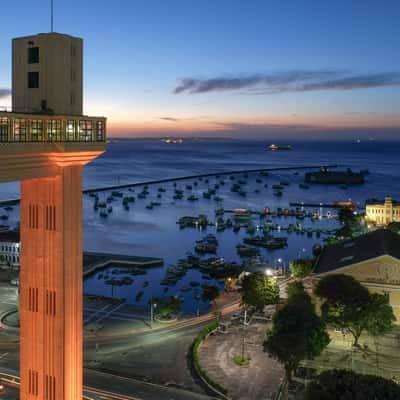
(100, 391)
(162, 351)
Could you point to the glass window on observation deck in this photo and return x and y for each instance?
(70, 130)
(4, 123)
(100, 131)
(54, 130)
(36, 130)
(85, 130)
(19, 130)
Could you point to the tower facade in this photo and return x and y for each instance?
(47, 74)
(46, 141)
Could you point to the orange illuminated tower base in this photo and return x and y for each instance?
(51, 286)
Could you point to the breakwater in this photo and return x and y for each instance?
(12, 202)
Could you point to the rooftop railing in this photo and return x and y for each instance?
(48, 128)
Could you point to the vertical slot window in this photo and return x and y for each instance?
(33, 55)
(33, 80)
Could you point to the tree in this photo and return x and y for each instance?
(210, 293)
(259, 290)
(166, 306)
(316, 250)
(348, 305)
(346, 216)
(348, 385)
(379, 315)
(394, 226)
(295, 292)
(297, 333)
(301, 267)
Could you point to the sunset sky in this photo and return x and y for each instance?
(249, 68)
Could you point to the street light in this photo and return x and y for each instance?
(152, 306)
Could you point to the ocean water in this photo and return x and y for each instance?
(144, 232)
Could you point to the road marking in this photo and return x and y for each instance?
(3, 355)
(110, 312)
(95, 314)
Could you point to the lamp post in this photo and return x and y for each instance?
(152, 306)
(279, 264)
(301, 252)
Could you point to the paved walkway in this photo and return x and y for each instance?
(376, 356)
(260, 380)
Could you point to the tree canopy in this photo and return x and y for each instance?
(295, 292)
(348, 385)
(167, 305)
(394, 226)
(210, 292)
(297, 333)
(346, 304)
(301, 267)
(346, 216)
(259, 290)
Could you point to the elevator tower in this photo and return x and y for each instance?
(45, 140)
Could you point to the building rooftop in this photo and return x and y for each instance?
(9, 236)
(359, 249)
(378, 202)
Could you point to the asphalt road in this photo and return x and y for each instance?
(160, 351)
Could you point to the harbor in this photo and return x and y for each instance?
(262, 216)
(223, 223)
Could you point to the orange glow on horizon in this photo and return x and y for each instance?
(192, 126)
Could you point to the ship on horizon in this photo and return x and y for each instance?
(274, 147)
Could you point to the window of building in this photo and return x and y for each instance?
(4, 129)
(70, 130)
(33, 55)
(347, 258)
(85, 130)
(100, 131)
(36, 130)
(54, 130)
(20, 130)
(33, 80)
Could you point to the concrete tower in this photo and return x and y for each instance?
(45, 143)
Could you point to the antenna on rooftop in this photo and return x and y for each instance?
(52, 15)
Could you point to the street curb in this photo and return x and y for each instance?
(6, 327)
(199, 373)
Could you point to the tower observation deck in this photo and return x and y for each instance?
(45, 140)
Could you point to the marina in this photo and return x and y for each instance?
(155, 218)
(223, 227)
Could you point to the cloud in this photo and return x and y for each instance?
(291, 81)
(170, 119)
(4, 92)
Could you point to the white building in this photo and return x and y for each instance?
(9, 248)
(383, 213)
